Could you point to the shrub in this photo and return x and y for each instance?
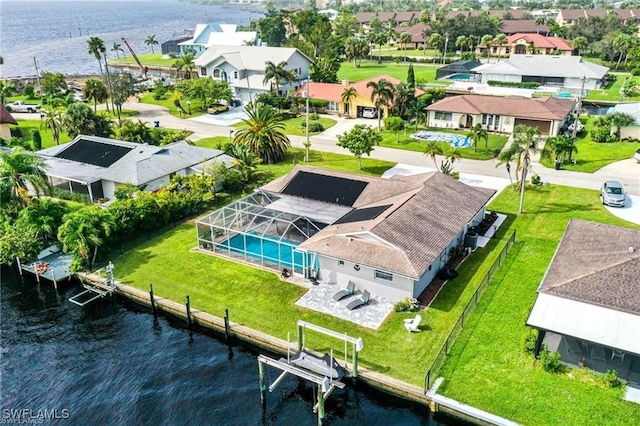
(29, 91)
(233, 183)
(159, 92)
(314, 127)
(37, 140)
(635, 72)
(551, 361)
(403, 306)
(611, 379)
(73, 196)
(602, 134)
(521, 85)
(314, 116)
(316, 104)
(530, 340)
(535, 179)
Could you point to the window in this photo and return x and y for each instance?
(235, 75)
(216, 73)
(381, 275)
(340, 262)
(484, 118)
(496, 120)
(203, 71)
(445, 116)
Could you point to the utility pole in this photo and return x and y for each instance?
(446, 42)
(307, 144)
(35, 63)
(577, 122)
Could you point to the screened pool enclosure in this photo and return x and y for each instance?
(266, 229)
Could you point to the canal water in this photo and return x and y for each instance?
(109, 363)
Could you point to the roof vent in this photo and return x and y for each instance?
(631, 249)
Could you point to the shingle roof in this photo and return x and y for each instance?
(365, 17)
(512, 106)
(5, 116)
(594, 264)
(426, 212)
(247, 57)
(573, 14)
(547, 66)
(404, 17)
(512, 26)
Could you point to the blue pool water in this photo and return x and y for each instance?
(263, 248)
(464, 77)
(456, 141)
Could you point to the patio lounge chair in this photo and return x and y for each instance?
(598, 353)
(413, 324)
(572, 345)
(345, 292)
(363, 300)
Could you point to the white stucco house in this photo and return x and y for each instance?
(388, 236)
(243, 67)
(207, 35)
(500, 113)
(97, 166)
(562, 71)
(633, 109)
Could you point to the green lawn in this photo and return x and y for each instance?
(214, 142)
(424, 72)
(488, 368)
(496, 142)
(145, 59)
(612, 91)
(592, 155)
(28, 126)
(293, 126)
(196, 105)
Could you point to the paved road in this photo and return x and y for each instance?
(626, 171)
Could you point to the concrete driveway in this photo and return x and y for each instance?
(227, 118)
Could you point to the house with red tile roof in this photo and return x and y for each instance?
(6, 120)
(500, 113)
(529, 44)
(332, 92)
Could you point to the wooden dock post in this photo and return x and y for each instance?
(321, 413)
(188, 313)
(19, 265)
(300, 337)
(226, 325)
(263, 385)
(153, 303)
(53, 275)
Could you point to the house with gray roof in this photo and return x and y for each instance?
(243, 67)
(207, 35)
(588, 303)
(389, 236)
(554, 71)
(633, 109)
(97, 166)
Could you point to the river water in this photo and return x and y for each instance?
(108, 363)
(56, 32)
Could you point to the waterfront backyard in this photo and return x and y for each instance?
(487, 368)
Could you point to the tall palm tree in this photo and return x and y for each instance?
(432, 149)
(580, 43)
(462, 42)
(381, 95)
(418, 105)
(53, 121)
(619, 120)
(96, 48)
(525, 144)
(435, 41)
(486, 42)
(94, 89)
(20, 169)
(476, 134)
(499, 40)
(275, 74)
(185, 63)
(151, 41)
(348, 94)
(117, 47)
(263, 133)
(560, 148)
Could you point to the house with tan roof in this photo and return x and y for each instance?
(388, 236)
(332, 92)
(6, 120)
(588, 303)
(529, 44)
(500, 113)
(523, 26)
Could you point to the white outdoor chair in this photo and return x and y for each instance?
(413, 324)
(616, 353)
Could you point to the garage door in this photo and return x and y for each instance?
(544, 126)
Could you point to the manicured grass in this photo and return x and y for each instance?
(496, 142)
(592, 155)
(612, 91)
(145, 59)
(488, 368)
(28, 126)
(423, 72)
(214, 142)
(293, 126)
(196, 105)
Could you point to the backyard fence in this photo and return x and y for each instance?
(451, 338)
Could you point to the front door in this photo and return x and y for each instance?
(346, 109)
(469, 122)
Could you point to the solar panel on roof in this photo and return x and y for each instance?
(330, 189)
(368, 213)
(94, 153)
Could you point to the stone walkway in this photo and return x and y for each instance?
(320, 298)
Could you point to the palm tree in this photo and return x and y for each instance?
(348, 94)
(20, 169)
(476, 134)
(486, 42)
(151, 41)
(185, 62)
(619, 120)
(275, 74)
(95, 89)
(499, 40)
(263, 133)
(381, 94)
(405, 38)
(78, 119)
(42, 217)
(117, 47)
(580, 43)
(418, 105)
(560, 148)
(53, 121)
(96, 48)
(6, 89)
(462, 42)
(435, 41)
(83, 231)
(433, 149)
(246, 162)
(525, 144)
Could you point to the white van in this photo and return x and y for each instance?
(369, 113)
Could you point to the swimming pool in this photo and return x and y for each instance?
(456, 141)
(281, 253)
(463, 77)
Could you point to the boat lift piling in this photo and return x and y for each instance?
(153, 302)
(226, 325)
(189, 314)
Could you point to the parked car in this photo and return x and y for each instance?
(612, 194)
(369, 113)
(217, 108)
(637, 156)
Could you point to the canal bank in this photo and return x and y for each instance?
(226, 328)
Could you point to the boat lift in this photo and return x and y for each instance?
(95, 289)
(143, 69)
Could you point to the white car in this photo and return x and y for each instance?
(369, 113)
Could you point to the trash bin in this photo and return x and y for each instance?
(156, 124)
(558, 164)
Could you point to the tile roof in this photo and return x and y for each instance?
(542, 42)
(512, 26)
(512, 106)
(427, 211)
(333, 91)
(365, 17)
(405, 16)
(547, 66)
(5, 116)
(573, 14)
(594, 264)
